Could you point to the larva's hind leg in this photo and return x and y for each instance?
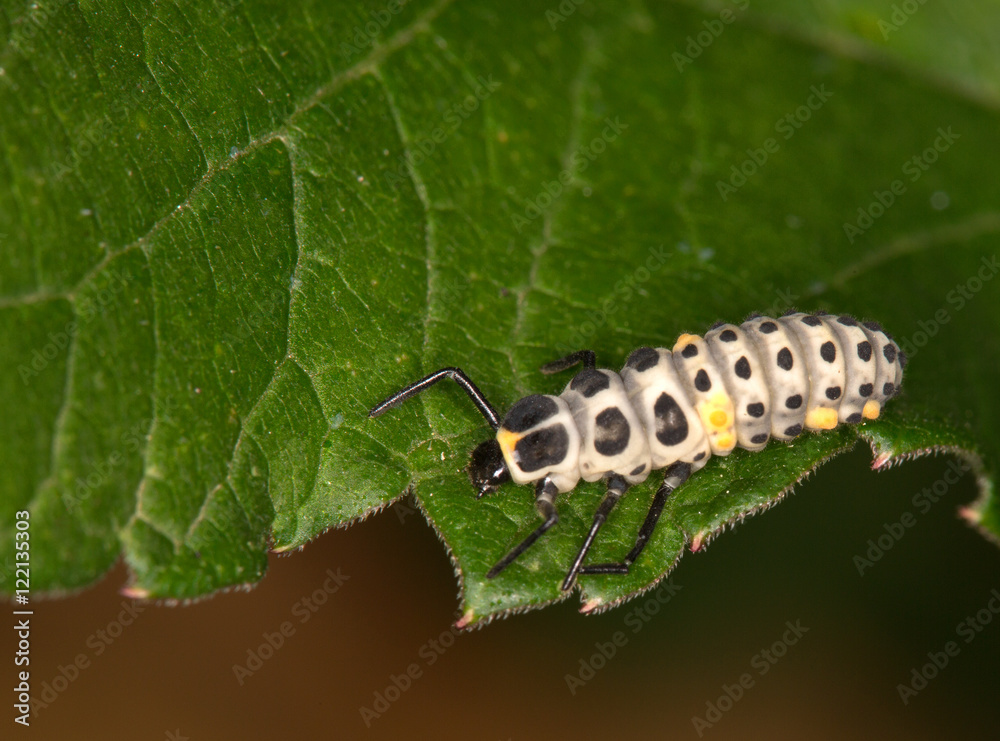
(676, 475)
(616, 488)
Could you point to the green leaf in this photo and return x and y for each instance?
(229, 229)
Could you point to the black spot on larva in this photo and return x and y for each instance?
(866, 389)
(833, 392)
(902, 360)
(758, 439)
(888, 389)
(543, 448)
(873, 326)
(528, 412)
(701, 381)
(768, 327)
(789, 312)
(716, 325)
(755, 315)
(671, 424)
(727, 335)
(811, 321)
(642, 358)
(854, 418)
(612, 432)
(637, 470)
(793, 430)
(690, 351)
(756, 409)
(700, 456)
(865, 350)
(742, 367)
(828, 351)
(890, 353)
(590, 382)
(847, 321)
(794, 402)
(785, 360)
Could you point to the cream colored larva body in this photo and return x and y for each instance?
(736, 386)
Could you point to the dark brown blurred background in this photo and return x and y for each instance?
(170, 673)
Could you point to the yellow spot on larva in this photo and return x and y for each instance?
(725, 441)
(871, 410)
(507, 440)
(822, 418)
(718, 418)
(684, 340)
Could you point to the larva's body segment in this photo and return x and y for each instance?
(739, 364)
(787, 380)
(666, 413)
(611, 434)
(712, 401)
(824, 360)
(673, 409)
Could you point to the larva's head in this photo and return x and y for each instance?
(487, 468)
(537, 438)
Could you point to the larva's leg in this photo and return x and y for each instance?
(545, 497)
(676, 475)
(588, 357)
(616, 488)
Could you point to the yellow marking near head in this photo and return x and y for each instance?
(872, 409)
(507, 440)
(684, 340)
(821, 418)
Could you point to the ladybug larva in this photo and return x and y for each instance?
(674, 409)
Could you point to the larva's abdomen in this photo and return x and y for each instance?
(785, 373)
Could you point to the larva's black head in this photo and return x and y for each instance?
(487, 468)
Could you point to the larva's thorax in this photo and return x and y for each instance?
(737, 385)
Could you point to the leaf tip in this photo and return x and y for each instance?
(468, 617)
(134, 592)
(698, 541)
(591, 604)
(881, 461)
(971, 515)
